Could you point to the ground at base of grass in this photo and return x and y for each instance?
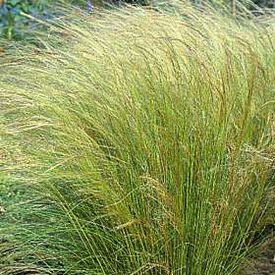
(262, 263)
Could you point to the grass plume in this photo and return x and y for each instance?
(144, 137)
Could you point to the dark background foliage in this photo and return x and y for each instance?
(15, 25)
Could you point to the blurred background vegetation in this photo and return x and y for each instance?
(14, 25)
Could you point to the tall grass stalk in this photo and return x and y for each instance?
(144, 137)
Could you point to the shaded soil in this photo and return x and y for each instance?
(264, 262)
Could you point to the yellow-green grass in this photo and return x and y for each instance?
(144, 137)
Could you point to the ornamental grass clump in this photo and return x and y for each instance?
(144, 139)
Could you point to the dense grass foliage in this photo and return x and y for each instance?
(140, 141)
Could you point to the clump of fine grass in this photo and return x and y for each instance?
(145, 137)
